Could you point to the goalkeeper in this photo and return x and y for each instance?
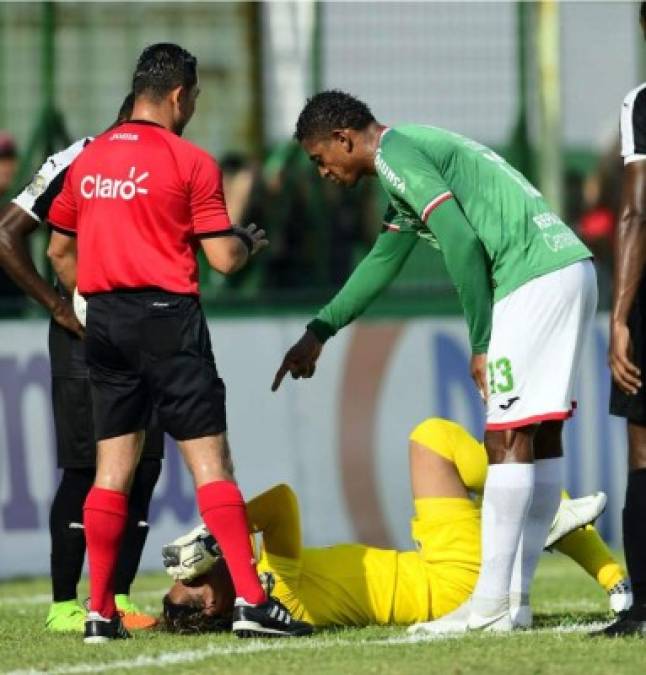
(357, 585)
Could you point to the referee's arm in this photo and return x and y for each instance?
(229, 250)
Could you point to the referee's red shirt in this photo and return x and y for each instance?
(139, 198)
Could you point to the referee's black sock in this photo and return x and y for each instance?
(134, 538)
(67, 534)
(634, 520)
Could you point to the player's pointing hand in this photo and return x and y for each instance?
(300, 360)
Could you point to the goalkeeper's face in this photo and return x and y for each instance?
(336, 157)
(201, 605)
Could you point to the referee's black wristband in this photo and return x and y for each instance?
(245, 237)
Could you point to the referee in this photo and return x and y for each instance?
(75, 445)
(628, 346)
(141, 201)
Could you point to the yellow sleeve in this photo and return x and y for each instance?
(276, 516)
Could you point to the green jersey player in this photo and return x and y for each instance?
(528, 290)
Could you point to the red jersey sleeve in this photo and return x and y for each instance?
(208, 208)
(62, 213)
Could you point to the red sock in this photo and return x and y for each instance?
(223, 510)
(104, 516)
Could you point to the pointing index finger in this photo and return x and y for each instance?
(280, 374)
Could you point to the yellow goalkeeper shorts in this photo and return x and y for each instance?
(447, 534)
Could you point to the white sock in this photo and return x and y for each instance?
(548, 481)
(507, 496)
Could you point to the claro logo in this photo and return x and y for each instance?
(100, 187)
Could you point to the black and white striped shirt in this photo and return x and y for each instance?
(47, 182)
(633, 125)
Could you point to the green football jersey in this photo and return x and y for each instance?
(420, 167)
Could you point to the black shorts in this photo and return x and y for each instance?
(72, 404)
(151, 349)
(633, 407)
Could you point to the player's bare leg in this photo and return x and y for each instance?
(431, 475)
(507, 498)
(548, 480)
(117, 459)
(208, 459)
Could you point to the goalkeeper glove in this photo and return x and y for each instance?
(191, 555)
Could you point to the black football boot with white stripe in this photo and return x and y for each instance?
(99, 630)
(271, 619)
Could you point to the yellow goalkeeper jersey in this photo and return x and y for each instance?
(351, 584)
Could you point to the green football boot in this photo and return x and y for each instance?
(66, 617)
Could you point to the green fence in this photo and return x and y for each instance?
(64, 69)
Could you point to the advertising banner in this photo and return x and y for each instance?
(339, 439)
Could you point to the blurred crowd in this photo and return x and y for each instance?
(319, 231)
(598, 199)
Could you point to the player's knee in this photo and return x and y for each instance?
(115, 477)
(285, 490)
(430, 435)
(284, 494)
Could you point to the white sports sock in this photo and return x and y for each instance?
(507, 496)
(548, 481)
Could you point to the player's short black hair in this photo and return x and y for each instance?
(642, 11)
(161, 68)
(329, 110)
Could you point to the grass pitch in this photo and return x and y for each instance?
(567, 604)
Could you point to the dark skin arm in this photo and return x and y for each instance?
(15, 227)
(629, 259)
(62, 254)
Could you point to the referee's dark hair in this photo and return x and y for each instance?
(329, 110)
(125, 111)
(161, 68)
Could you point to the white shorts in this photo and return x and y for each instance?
(537, 336)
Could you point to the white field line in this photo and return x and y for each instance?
(46, 598)
(167, 659)
(574, 606)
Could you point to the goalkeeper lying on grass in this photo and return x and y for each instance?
(357, 585)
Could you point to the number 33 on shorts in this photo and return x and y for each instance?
(501, 379)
